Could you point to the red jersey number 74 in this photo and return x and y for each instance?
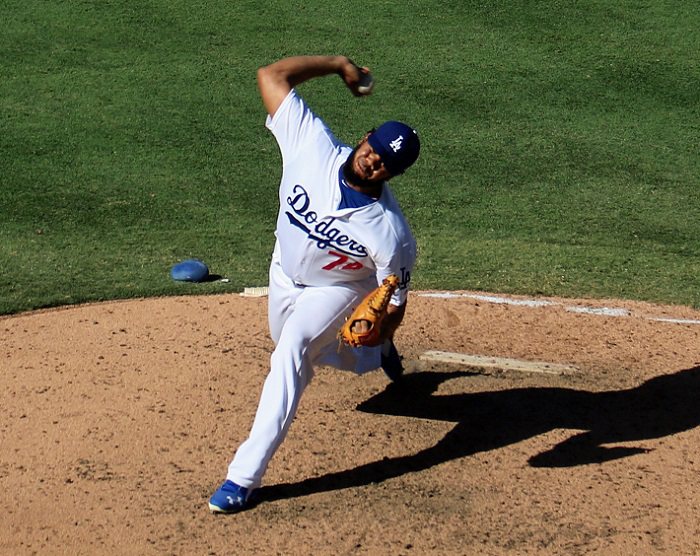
(342, 261)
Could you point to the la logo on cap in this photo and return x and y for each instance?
(396, 143)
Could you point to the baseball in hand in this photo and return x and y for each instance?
(366, 84)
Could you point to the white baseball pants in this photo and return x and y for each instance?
(304, 322)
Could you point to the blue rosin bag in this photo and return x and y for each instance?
(190, 271)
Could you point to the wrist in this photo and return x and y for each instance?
(340, 64)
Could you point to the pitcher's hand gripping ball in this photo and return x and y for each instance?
(366, 84)
(373, 309)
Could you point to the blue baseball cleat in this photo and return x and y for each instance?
(230, 498)
(391, 361)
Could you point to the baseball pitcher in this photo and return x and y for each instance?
(342, 261)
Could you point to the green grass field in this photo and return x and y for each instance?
(560, 141)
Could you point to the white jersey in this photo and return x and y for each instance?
(317, 243)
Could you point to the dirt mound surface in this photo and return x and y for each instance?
(118, 420)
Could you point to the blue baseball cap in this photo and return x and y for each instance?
(396, 144)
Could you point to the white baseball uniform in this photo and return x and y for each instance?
(325, 260)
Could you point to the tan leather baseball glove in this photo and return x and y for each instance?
(372, 309)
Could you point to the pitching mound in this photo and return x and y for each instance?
(574, 431)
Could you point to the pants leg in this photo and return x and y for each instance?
(308, 323)
(281, 299)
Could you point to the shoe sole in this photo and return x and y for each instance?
(249, 503)
(216, 510)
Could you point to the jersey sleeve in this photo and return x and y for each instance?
(396, 252)
(401, 264)
(294, 125)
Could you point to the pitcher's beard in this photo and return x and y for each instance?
(354, 178)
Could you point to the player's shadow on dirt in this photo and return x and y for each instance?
(661, 406)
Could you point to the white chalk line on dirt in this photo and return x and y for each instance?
(501, 363)
(603, 311)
